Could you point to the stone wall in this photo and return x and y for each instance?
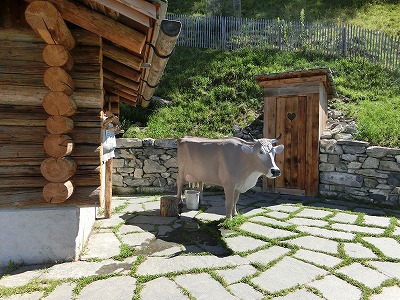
(145, 166)
(352, 169)
(348, 169)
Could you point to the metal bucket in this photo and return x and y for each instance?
(192, 199)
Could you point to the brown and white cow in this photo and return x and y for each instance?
(232, 163)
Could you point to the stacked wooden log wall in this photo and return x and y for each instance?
(26, 126)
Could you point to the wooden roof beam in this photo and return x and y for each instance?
(165, 44)
(121, 80)
(97, 23)
(142, 16)
(117, 86)
(46, 20)
(122, 56)
(120, 69)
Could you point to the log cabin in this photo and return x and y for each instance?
(65, 66)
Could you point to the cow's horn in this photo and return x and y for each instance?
(276, 139)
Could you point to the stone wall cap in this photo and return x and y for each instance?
(166, 143)
(129, 143)
(352, 143)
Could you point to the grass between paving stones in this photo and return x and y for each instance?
(391, 228)
(235, 222)
(125, 251)
(45, 286)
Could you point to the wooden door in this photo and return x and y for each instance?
(297, 117)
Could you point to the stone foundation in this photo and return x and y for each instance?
(45, 235)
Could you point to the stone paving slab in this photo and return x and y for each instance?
(266, 220)
(318, 258)
(265, 256)
(388, 246)
(344, 217)
(285, 208)
(254, 211)
(364, 275)
(333, 288)
(300, 294)
(287, 273)
(21, 277)
(234, 275)
(268, 232)
(326, 233)
(80, 269)
(203, 286)
(357, 250)
(62, 292)
(307, 222)
(356, 228)
(137, 239)
(313, 213)
(278, 215)
(245, 291)
(164, 265)
(102, 245)
(118, 288)
(376, 221)
(391, 269)
(243, 243)
(28, 296)
(396, 231)
(388, 293)
(162, 288)
(315, 243)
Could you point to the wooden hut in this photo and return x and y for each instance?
(65, 66)
(295, 104)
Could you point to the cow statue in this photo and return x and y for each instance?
(232, 163)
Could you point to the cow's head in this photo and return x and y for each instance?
(265, 151)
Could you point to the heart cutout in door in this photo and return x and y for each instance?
(291, 116)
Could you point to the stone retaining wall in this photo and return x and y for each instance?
(352, 169)
(145, 166)
(348, 169)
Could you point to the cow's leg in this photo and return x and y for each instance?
(201, 186)
(179, 185)
(229, 199)
(235, 201)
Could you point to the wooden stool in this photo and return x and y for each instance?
(169, 206)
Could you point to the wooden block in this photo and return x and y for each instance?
(169, 206)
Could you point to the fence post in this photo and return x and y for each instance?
(344, 41)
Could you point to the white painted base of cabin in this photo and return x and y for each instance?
(35, 236)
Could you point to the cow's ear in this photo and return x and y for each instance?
(247, 149)
(279, 148)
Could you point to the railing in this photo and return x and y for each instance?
(231, 33)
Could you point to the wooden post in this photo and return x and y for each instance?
(108, 189)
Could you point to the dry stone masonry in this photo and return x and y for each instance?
(354, 169)
(349, 169)
(145, 166)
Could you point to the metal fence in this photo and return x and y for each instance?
(231, 33)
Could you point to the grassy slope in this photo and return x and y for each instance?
(373, 14)
(212, 90)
